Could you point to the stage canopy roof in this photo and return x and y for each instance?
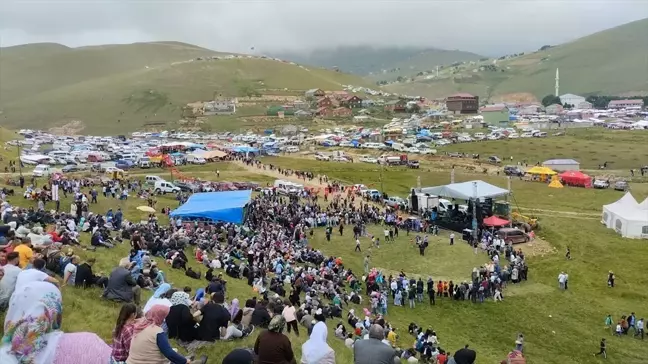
(465, 190)
(224, 206)
(495, 221)
(541, 170)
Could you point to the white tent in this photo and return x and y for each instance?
(627, 217)
(466, 190)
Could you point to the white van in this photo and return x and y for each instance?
(287, 187)
(144, 162)
(43, 170)
(292, 149)
(195, 159)
(165, 187)
(151, 180)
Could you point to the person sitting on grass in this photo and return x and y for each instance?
(150, 344)
(123, 333)
(121, 285)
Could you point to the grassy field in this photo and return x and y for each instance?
(606, 62)
(591, 147)
(119, 88)
(570, 335)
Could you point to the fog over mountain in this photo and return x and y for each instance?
(491, 27)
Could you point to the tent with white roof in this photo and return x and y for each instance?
(627, 217)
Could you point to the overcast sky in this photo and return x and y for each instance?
(488, 27)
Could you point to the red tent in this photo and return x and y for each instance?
(576, 178)
(495, 221)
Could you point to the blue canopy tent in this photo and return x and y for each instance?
(244, 149)
(227, 206)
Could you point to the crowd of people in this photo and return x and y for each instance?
(297, 286)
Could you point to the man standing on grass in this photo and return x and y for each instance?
(357, 247)
(603, 350)
(366, 264)
(640, 328)
(451, 238)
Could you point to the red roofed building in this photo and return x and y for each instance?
(622, 104)
(351, 101)
(462, 103)
(324, 102)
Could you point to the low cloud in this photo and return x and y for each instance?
(488, 27)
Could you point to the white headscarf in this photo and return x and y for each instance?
(316, 348)
(31, 327)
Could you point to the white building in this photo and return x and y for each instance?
(562, 165)
(571, 99)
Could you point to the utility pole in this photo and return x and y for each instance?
(19, 161)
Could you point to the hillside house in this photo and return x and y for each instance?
(462, 103)
(554, 109)
(530, 110)
(303, 114)
(396, 106)
(222, 106)
(624, 104)
(339, 95)
(326, 112)
(300, 104)
(584, 105)
(351, 101)
(315, 93)
(571, 99)
(495, 114)
(324, 102)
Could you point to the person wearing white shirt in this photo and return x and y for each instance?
(562, 278)
(8, 281)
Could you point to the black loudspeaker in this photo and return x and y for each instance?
(414, 201)
(480, 215)
(487, 207)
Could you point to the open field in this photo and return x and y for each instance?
(591, 147)
(607, 63)
(119, 88)
(577, 314)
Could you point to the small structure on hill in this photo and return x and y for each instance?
(462, 103)
(562, 165)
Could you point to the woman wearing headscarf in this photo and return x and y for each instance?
(180, 321)
(234, 308)
(157, 298)
(150, 344)
(32, 331)
(315, 350)
(272, 346)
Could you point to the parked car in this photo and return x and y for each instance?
(414, 164)
(513, 171)
(70, 168)
(186, 186)
(340, 159)
(621, 186)
(395, 202)
(368, 159)
(322, 157)
(601, 184)
(512, 235)
(494, 159)
(162, 187)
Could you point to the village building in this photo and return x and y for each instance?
(624, 104)
(554, 109)
(462, 103)
(220, 106)
(352, 101)
(530, 109)
(396, 106)
(496, 114)
(314, 93)
(571, 99)
(584, 105)
(324, 102)
(300, 104)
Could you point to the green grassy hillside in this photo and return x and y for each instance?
(115, 88)
(614, 61)
(395, 61)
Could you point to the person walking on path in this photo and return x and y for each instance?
(603, 350)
